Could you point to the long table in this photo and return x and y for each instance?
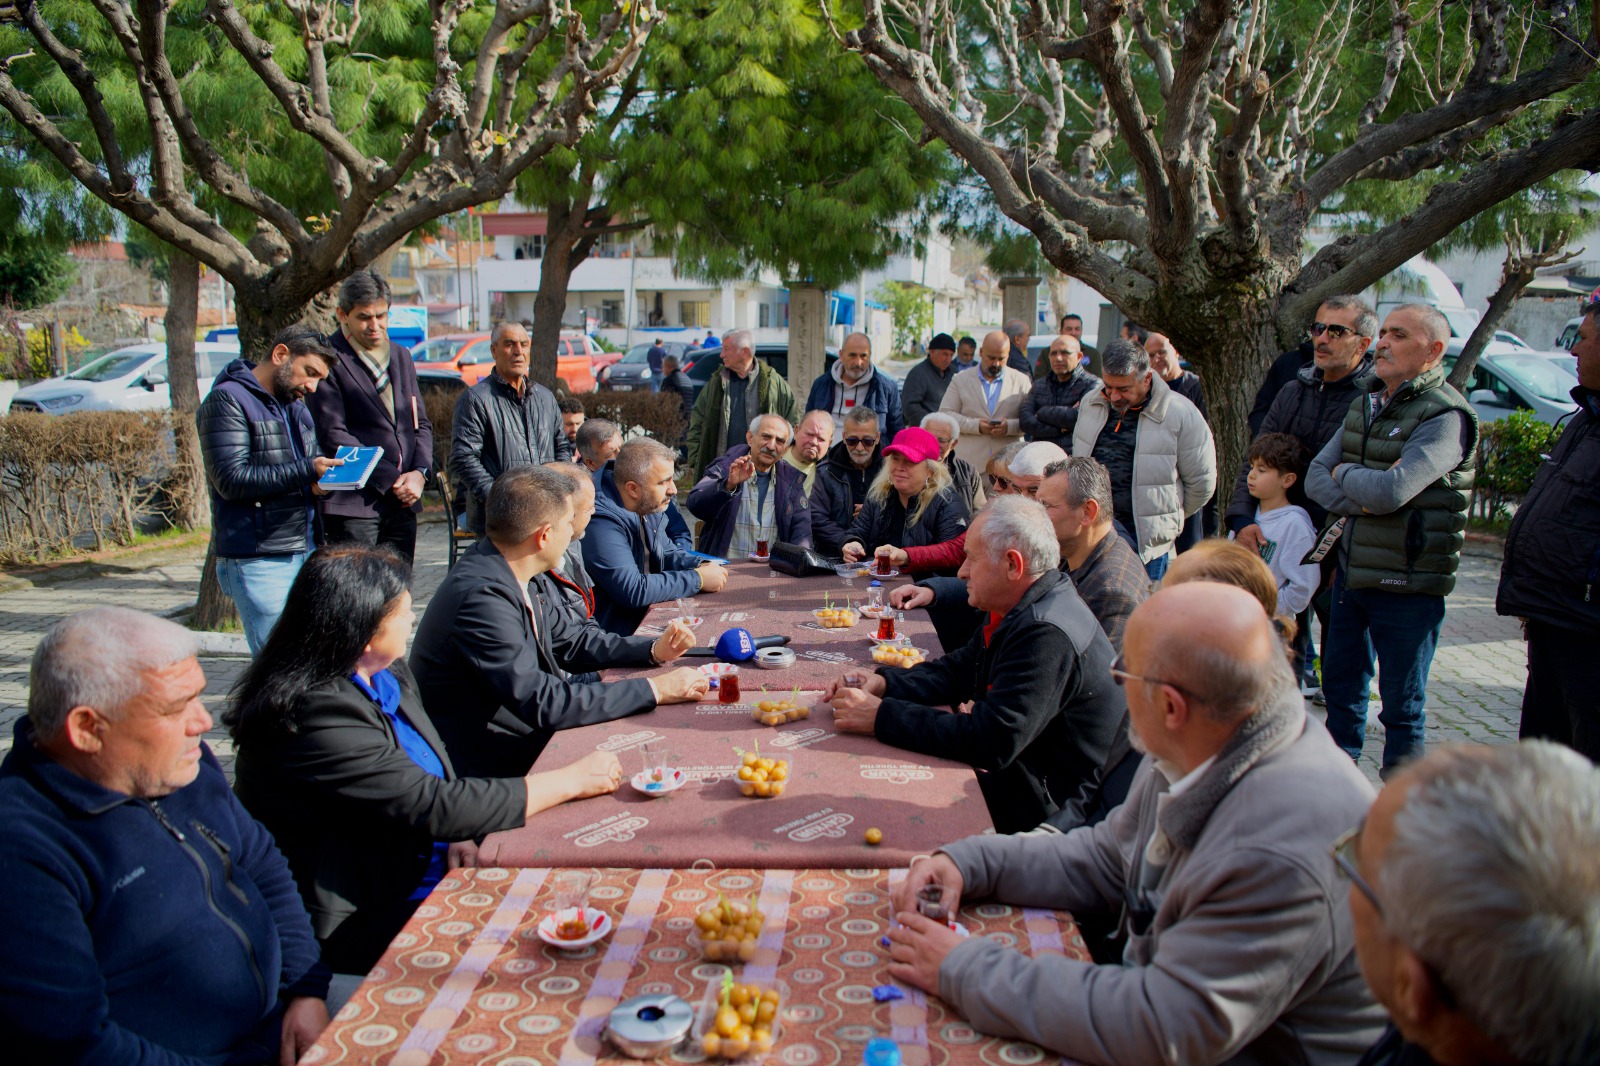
(468, 980)
(841, 784)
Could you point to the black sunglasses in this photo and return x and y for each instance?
(998, 482)
(860, 442)
(1336, 332)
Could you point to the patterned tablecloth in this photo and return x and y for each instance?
(468, 980)
(840, 784)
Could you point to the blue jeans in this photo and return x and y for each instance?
(1402, 630)
(259, 587)
(1156, 569)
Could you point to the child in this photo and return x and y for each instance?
(1277, 461)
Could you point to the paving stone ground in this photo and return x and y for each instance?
(1474, 694)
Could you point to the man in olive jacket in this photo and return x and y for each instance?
(1399, 478)
(1551, 577)
(741, 389)
(1044, 710)
(1239, 945)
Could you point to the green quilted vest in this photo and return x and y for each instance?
(1417, 548)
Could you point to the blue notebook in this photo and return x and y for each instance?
(703, 557)
(358, 466)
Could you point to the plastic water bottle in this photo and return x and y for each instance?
(875, 595)
(881, 1051)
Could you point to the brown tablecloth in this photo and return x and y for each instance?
(840, 786)
(468, 980)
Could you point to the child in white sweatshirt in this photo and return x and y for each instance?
(1277, 461)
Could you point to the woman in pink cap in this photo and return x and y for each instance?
(911, 503)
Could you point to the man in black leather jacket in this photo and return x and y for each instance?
(262, 464)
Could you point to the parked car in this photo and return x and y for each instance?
(1569, 334)
(128, 379)
(1503, 382)
(468, 354)
(632, 371)
(575, 343)
(707, 361)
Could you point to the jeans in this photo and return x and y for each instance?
(1562, 700)
(1402, 630)
(1156, 569)
(396, 527)
(259, 587)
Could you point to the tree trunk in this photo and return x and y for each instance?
(213, 609)
(262, 313)
(186, 485)
(564, 249)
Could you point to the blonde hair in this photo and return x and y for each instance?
(1231, 563)
(938, 481)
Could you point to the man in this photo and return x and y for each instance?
(843, 479)
(1076, 494)
(155, 920)
(505, 421)
(966, 354)
(1166, 362)
(811, 440)
(1284, 369)
(627, 550)
(572, 417)
(1156, 446)
(741, 389)
(655, 358)
(988, 403)
(1399, 476)
(1043, 707)
(1239, 945)
(854, 382)
(370, 400)
(262, 465)
(749, 497)
(1017, 333)
(567, 586)
(676, 381)
(1072, 326)
(946, 429)
(927, 381)
(1312, 407)
(491, 661)
(598, 443)
(1475, 907)
(1050, 412)
(1553, 551)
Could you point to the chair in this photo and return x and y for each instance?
(460, 539)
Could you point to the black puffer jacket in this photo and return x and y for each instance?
(1050, 411)
(496, 430)
(944, 519)
(833, 507)
(1312, 410)
(258, 475)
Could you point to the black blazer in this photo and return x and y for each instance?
(348, 412)
(356, 818)
(493, 688)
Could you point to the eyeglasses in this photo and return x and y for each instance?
(861, 442)
(1336, 332)
(1344, 857)
(999, 484)
(1121, 676)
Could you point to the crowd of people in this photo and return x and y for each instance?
(1131, 693)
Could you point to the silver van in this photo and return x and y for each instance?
(128, 379)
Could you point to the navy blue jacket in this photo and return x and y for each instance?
(710, 502)
(162, 932)
(259, 475)
(632, 567)
(883, 396)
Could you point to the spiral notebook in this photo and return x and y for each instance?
(359, 464)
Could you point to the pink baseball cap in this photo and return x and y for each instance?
(915, 443)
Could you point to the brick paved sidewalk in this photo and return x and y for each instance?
(1475, 691)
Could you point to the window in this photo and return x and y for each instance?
(764, 316)
(695, 314)
(607, 247)
(400, 267)
(531, 247)
(611, 312)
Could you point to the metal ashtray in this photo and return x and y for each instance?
(775, 658)
(647, 1027)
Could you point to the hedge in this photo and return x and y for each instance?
(1510, 450)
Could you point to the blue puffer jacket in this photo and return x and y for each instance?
(632, 567)
(719, 510)
(258, 473)
(158, 931)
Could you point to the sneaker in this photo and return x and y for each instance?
(1319, 699)
(1310, 690)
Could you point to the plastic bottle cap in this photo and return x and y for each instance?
(881, 1051)
(875, 585)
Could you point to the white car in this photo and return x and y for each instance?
(1503, 382)
(128, 379)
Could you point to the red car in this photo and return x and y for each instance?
(468, 353)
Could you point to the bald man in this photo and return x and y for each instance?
(1239, 943)
(854, 382)
(987, 401)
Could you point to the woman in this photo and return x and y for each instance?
(911, 503)
(336, 756)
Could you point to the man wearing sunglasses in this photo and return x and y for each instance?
(1476, 909)
(843, 478)
(1238, 940)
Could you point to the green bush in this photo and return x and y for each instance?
(1510, 451)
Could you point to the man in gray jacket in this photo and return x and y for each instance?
(504, 421)
(1239, 941)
